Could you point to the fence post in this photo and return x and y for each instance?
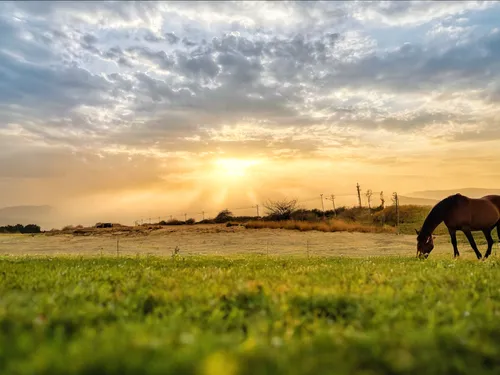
(396, 202)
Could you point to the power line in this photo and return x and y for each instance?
(204, 213)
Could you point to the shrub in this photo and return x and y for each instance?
(281, 209)
(333, 225)
(223, 216)
(174, 222)
(19, 228)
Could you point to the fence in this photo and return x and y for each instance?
(211, 240)
(257, 209)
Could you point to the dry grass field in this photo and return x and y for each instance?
(221, 240)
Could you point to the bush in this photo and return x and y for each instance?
(224, 216)
(323, 226)
(207, 221)
(173, 222)
(281, 209)
(19, 228)
(407, 214)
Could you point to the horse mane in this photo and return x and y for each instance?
(436, 216)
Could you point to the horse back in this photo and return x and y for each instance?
(495, 199)
(474, 213)
(483, 213)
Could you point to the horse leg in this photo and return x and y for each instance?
(469, 236)
(490, 241)
(453, 236)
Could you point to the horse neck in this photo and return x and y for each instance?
(435, 217)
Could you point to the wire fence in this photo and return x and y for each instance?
(212, 240)
(254, 210)
(258, 209)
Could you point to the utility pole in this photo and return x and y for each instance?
(322, 206)
(185, 217)
(382, 200)
(257, 207)
(170, 217)
(396, 202)
(203, 214)
(359, 194)
(332, 198)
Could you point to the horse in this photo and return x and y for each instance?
(459, 212)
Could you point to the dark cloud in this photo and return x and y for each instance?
(171, 38)
(187, 42)
(32, 85)
(90, 39)
(245, 46)
(202, 66)
(159, 58)
(414, 68)
(152, 38)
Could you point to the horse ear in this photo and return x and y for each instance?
(416, 230)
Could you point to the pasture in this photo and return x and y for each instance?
(236, 240)
(312, 303)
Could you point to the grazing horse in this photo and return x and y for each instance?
(459, 213)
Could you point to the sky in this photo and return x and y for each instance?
(124, 110)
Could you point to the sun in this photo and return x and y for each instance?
(234, 167)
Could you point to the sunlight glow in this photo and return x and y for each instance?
(234, 167)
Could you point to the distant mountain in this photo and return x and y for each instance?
(417, 201)
(440, 194)
(40, 215)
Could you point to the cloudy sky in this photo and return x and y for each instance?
(121, 109)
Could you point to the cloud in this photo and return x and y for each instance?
(410, 13)
(172, 80)
(171, 38)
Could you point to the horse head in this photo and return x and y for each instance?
(425, 244)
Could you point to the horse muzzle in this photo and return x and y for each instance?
(421, 255)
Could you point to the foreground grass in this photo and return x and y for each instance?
(252, 315)
(331, 225)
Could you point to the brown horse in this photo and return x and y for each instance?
(459, 212)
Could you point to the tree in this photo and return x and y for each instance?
(281, 209)
(224, 216)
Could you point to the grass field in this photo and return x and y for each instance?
(248, 315)
(244, 301)
(221, 240)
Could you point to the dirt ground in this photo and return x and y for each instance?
(220, 240)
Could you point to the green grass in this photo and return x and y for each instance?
(249, 315)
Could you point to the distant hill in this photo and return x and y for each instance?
(40, 215)
(404, 200)
(440, 194)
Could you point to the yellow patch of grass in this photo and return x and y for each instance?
(333, 225)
